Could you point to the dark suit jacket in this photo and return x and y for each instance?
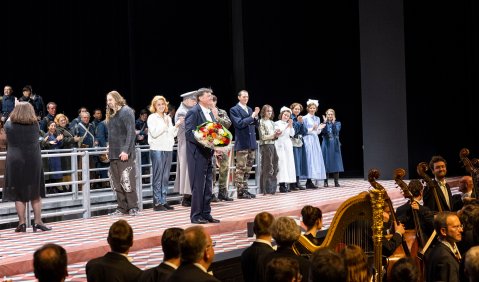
(111, 267)
(191, 273)
(442, 265)
(431, 203)
(245, 128)
(160, 273)
(304, 264)
(193, 118)
(426, 218)
(252, 260)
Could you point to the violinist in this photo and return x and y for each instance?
(405, 214)
(438, 166)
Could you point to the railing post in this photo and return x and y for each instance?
(139, 187)
(74, 174)
(86, 184)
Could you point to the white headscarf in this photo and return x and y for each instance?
(311, 101)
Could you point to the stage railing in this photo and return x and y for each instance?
(86, 192)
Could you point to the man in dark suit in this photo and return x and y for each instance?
(115, 265)
(50, 263)
(252, 257)
(245, 122)
(438, 166)
(200, 165)
(443, 261)
(197, 254)
(170, 243)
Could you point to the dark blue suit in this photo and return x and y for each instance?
(244, 124)
(199, 167)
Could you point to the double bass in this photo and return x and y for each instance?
(473, 171)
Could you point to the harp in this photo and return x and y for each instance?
(357, 220)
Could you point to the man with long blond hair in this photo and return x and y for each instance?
(121, 150)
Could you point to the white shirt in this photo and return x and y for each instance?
(206, 112)
(244, 107)
(443, 187)
(161, 132)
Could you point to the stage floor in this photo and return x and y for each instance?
(86, 238)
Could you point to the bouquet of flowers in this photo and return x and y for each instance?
(213, 135)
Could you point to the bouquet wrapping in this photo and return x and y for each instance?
(213, 135)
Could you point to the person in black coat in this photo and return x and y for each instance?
(197, 254)
(115, 266)
(200, 165)
(252, 257)
(438, 166)
(170, 243)
(442, 263)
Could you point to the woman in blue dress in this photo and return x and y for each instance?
(331, 147)
(314, 157)
(298, 147)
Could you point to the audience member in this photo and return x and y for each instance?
(312, 218)
(170, 244)
(285, 232)
(404, 270)
(245, 122)
(283, 269)
(50, 263)
(115, 265)
(442, 263)
(197, 254)
(471, 264)
(326, 265)
(252, 257)
(356, 263)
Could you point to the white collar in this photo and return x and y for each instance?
(171, 264)
(264, 242)
(200, 267)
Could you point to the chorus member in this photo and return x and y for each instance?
(222, 157)
(284, 148)
(269, 158)
(161, 138)
(23, 154)
(245, 121)
(182, 180)
(331, 147)
(299, 151)
(53, 140)
(52, 111)
(200, 165)
(312, 218)
(8, 103)
(438, 166)
(69, 141)
(34, 99)
(141, 130)
(444, 259)
(121, 151)
(314, 157)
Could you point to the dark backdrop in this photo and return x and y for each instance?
(74, 52)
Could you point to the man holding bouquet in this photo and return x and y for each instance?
(200, 158)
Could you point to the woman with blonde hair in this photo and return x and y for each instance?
(161, 138)
(23, 154)
(331, 147)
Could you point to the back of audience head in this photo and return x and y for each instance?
(471, 264)
(356, 262)
(404, 270)
(285, 231)
(170, 243)
(327, 265)
(310, 216)
(194, 246)
(283, 269)
(262, 224)
(50, 263)
(415, 187)
(120, 236)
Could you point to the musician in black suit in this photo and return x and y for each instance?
(252, 257)
(404, 213)
(115, 265)
(438, 166)
(170, 243)
(197, 254)
(442, 263)
(199, 159)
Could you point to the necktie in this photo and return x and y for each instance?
(444, 192)
(457, 255)
(212, 117)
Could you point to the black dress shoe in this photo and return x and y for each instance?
(214, 199)
(186, 203)
(199, 221)
(159, 207)
(42, 227)
(168, 207)
(213, 220)
(21, 228)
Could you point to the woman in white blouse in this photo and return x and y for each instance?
(161, 139)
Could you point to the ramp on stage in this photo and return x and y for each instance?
(85, 239)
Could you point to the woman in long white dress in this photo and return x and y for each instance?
(284, 149)
(314, 155)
